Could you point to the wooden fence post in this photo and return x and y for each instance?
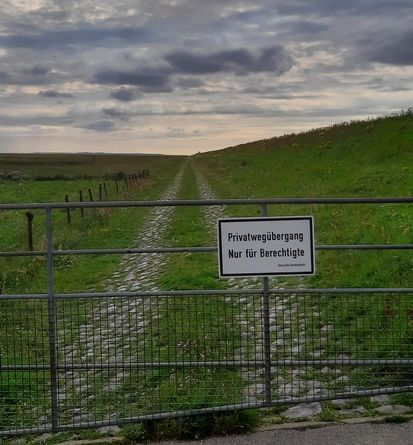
(91, 199)
(82, 214)
(30, 217)
(69, 219)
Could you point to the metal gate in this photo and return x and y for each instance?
(92, 359)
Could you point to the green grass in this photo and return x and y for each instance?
(193, 427)
(194, 328)
(189, 328)
(23, 323)
(98, 229)
(371, 158)
(43, 165)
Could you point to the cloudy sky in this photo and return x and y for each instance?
(182, 76)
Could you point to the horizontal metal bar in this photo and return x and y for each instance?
(364, 247)
(182, 293)
(218, 292)
(135, 365)
(23, 253)
(343, 362)
(207, 202)
(344, 395)
(24, 297)
(349, 290)
(191, 249)
(215, 409)
(121, 251)
(132, 251)
(215, 292)
(213, 363)
(120, 421)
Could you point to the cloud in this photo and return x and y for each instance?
(24, 120)
(101, 125)
(125, 94)
(181, 133)
(392, 50)
(295, 28)
(37, 70)
(81, 35)
(115, 112)
(148, 80)
(239, 61)
(71, 64)
(341, 8)
(36, 75)
(55, 94)
(158, 79)
(189, 82)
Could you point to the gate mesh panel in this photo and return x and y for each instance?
(122, 358)
(24, 361)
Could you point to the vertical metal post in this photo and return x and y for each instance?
(266, 331)
(52, 320)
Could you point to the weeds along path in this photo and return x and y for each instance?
(295, 333)
(111, 333)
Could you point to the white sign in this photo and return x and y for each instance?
(266, 246)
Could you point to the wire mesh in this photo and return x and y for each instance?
(344, 335)
(24, 360)
(133, 357)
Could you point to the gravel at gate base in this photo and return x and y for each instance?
(356, 434)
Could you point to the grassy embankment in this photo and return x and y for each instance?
(372, 158)
(22, 322)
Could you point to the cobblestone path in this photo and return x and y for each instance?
(292, 319)
(114, 328)
(117, 331)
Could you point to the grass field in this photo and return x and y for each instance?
(372, 158)
(99, 229)
(77, 166)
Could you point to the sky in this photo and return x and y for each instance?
(187, 76)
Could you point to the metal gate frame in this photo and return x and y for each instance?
(265, 291)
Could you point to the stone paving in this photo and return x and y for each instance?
(111, 334)
(115, 329)
(282, 309)
(290, 320)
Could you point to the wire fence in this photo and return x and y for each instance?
(91, 359)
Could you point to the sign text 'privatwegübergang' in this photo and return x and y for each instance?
(266, 246)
